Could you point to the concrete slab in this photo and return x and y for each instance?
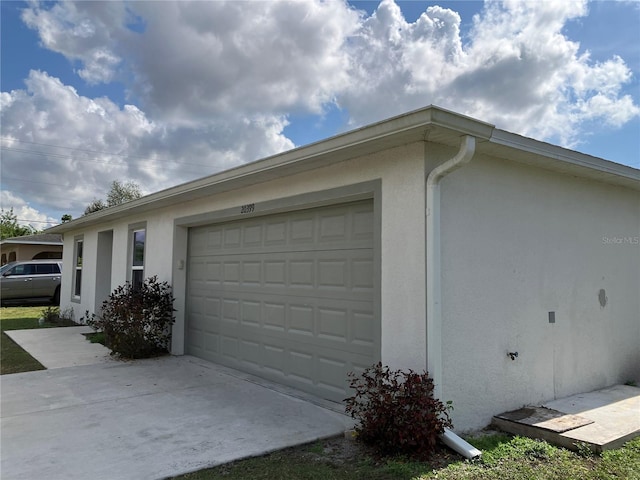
(603, 419)
(615, 412)
(61, 347)
(148, 419)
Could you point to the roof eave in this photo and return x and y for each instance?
(431, 123)
(553, 157)
(403, 129)
(14, 242)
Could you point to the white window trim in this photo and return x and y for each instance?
(74, 287)
(130, 267)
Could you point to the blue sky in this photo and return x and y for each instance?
(164, 92)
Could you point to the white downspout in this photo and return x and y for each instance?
(434, 307)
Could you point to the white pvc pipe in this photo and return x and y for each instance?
(434, 309)
(459, 445)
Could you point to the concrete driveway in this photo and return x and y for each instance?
(148, 419)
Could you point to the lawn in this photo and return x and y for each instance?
(504, 457)
(13, 359)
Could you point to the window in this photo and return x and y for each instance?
(77, 274)
(137, 258)
(47, 268)
(22, 269)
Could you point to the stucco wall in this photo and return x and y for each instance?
(401, 171)
(520, 242)
(27, 252)
(517, 243)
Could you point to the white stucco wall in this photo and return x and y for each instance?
(401, 171)
(517, 243)
(520, 242)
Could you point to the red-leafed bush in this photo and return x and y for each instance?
(396, 411)
(136, 322)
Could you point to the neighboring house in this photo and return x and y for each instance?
(429, 240)
(42, 246)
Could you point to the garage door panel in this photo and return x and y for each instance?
(338, 321)
(337, 227)
(331, 374)
(251, 272)
(362, 229)
(251, 313)
(274, 316)
(344, 272)
(302, 231)
(301, 320)
(252, 235)
(288, 297)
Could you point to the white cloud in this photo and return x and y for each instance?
(213, 84)
(63, 149)
(518, 70)
(198, 59)
(189, 62)
(25, 213)
(83, 31)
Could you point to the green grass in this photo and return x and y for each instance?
(13, 359)
(503, 458)
(96, 337)
(522, 458)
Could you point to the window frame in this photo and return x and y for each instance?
(77, 267)
(133, 266)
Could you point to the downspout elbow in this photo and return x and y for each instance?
(464, 156)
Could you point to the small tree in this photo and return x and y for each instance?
(122, 192)
(118, 193)
(397, 411)
(95, 206)
(9, 226)
(66, 218)
(137, 321)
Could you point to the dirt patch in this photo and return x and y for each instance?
(345, 450)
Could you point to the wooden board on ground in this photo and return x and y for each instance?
(545, 418)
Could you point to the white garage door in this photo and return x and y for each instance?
(288, 297)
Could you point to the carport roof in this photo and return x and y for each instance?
(431, 124)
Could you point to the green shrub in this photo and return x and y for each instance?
(136, 322)
(51, 314)
(397, 411)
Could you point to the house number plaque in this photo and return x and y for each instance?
(248, 208)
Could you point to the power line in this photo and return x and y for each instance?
(4, 177)
(101, 152)
(59, 155)
(34, 221)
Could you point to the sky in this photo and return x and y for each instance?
(164, 92)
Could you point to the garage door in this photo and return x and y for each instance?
(288, 297)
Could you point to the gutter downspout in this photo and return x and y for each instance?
(434, 293)
(434, 308)
(454, 442)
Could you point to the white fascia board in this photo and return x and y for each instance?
(569, 161)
